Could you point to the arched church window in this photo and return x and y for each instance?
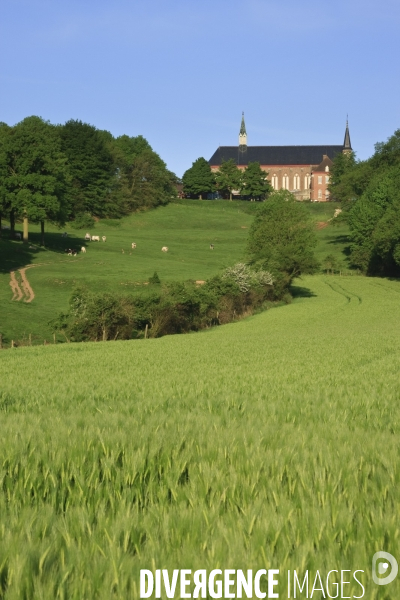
(285, 182)
(296, 182)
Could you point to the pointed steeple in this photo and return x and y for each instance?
(347, 143)
(242, 135)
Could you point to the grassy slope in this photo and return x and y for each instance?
(187, 229)
(272, 442)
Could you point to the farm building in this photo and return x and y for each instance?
(303, 170)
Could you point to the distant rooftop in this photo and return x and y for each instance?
(275, 155)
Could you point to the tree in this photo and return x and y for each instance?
(141, 176)
(149, 182)
(282, 239)
(4, 197)
(35, 173)
(199, 179)
(254, 181)
(330, 263)
(228, 178)
(348, 178)
(91, 166)
(373, 221)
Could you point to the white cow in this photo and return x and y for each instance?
(133, 245)
(17, 236)
(95, 238)
(104, 238)
(164, 249)
(83, 249)
(88, 237)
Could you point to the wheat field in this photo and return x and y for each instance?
(268, 443)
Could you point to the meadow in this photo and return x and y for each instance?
(272, 442)
(187, 228)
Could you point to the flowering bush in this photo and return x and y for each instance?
(246, 278)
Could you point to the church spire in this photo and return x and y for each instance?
(347, 143)
(242, 135)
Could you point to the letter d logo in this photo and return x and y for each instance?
(383, 567)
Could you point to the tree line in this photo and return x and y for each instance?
(74, 172)
(370, 194)
(252, 182)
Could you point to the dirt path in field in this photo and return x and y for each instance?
(28, 291)
(16, 290)
(25, 288)
(322, 224)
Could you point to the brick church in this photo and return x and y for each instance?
(303, 170)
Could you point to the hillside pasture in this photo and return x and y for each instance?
(187, 228)
(268, 443)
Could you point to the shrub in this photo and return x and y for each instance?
(246, 278)
(83, 221)
(154, 279)
(174, 308)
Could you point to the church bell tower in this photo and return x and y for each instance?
(242, 136)
(347, 144)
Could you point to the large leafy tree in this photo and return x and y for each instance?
(254, 182)
(228, 178)
(199, 179)
(149, 182)
(374, 225)
(91, 166)
(142, 177)
(373, 213)
(34, 173)
(282, 239)
(5, 205)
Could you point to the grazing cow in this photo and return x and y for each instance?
(17, 236)
(83, 250)
(95, 238)
(69, 251)
(211, 246)
(164, 249)
(133, 245)
(88, 237)
(104, 238)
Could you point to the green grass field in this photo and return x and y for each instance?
(272, 442)
(187, 228)
(268, 443)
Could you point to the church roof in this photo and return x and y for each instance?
(275, 155)
(326, 162)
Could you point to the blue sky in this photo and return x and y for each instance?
(181, 72)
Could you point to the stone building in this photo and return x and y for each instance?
(303, 170)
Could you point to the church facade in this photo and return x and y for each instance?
(303, 170)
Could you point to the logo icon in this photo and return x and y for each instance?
(380, 565)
